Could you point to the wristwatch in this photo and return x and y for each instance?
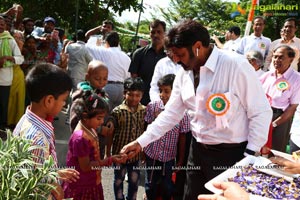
(253, 153)
(274, 124)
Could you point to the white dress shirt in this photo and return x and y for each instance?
(79, 58)
(6, 73)
(295, 129)
(294, 44)
(116, 61)
(232, 45)
(253, 43)
(249, 115)
(163, 67)
(259, 72)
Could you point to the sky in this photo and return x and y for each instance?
(149, 5)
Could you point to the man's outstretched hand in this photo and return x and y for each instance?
(131, 149)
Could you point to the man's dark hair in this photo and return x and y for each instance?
(292, 19)
(186, 33)
(112, 39)
(38, 23)
(156, 23)
(47, 79)
(134, 84)
(89, 103)
(260, 17)
(80, 35)
(109, 23)
(290, 51)
(235, 29)
(166, 80)
(26, 20)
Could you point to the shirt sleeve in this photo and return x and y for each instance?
(149, 113)
(240, 47)
(249, 90)
(19, 59)
(295, 98)
(154, 90)
(80, 147)
(184, 124)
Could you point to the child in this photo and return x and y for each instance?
(160, 155)
(96, 79)
(129, 124)
(84, 152)
(48, 87)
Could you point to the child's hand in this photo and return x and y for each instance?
(120, 158)
(68, 175)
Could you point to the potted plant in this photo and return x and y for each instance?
(20, 176)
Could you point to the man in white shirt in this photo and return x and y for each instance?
(229, 110)
(288, 38)
(256, 41)
(117, 63)
(79, 59)
(163, 67)
(98, 40)
(235, 39)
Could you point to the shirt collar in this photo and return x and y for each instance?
(291, 41)
(288, 73)
(44, 125)
(150, 47)
(255, 37)
(124, 106)
(212, 60)
(80, 42)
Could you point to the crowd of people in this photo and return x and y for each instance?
(181, 105)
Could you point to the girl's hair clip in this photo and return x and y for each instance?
(95, 103)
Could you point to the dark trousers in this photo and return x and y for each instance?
(181, 174)
(133, 180)
(293, 147)
(281, 134)
(4, 96)
(159, 179)
(206, 162)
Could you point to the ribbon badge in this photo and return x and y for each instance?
(282, 85)
(217, 104)
(262, 45)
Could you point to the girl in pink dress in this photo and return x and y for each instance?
(84, 153)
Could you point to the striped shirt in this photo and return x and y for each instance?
(165, 148)
(40, 132)
(128, 126)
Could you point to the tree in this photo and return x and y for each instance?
(275, 18)
(90, 13)
(216, 15)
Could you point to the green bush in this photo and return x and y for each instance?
(20, 176)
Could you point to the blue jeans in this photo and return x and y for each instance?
(159, 179)
(133, 180)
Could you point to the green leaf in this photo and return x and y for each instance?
(24, 172)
